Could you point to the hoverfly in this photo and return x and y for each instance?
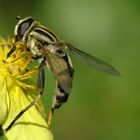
(51, 51)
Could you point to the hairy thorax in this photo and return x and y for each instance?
(35, 47)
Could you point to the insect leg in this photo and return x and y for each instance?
(60, 98)
(11, 51)
(41, 81)
(63, 86)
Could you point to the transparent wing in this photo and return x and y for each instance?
(56, 64)
(93, 61)
(59, 68)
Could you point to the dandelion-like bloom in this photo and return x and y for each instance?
(17, 92)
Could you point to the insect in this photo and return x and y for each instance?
(51, 51)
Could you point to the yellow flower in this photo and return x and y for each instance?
(16, 93)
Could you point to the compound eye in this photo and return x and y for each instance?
(24, 26)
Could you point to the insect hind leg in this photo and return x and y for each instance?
(60, 97)
(57, 102)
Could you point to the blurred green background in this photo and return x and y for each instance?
(101, 107)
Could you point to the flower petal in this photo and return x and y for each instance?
(16, 94)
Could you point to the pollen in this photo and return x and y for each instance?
(16, 93)
(15, 66)
(20, 59)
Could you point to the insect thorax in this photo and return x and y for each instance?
(34, 45)
(38, 39)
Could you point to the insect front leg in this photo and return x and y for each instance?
(41, 81)
(11, 51)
